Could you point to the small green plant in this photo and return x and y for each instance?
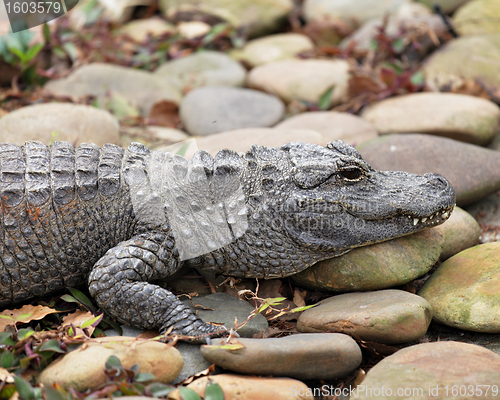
(16, 50)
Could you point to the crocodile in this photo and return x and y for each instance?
(72, 216)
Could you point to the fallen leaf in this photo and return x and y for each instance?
(298, 297)
(164, 113)
(6, 376)
(205, 372)
(77, 319)
(150, 334)
(23, 315)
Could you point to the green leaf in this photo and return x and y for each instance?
(144, 377)
(82, 299)
(213, 391)
(183, 149)
(373, 45)
(214, 33)
(53, 394)
(33, 51)
(299, 309)
(25, 333)
(325, 99)
(25, 390)
(51, 345)
(6, 339)
(71, 50)
(188, 394)
(37, 391)
(7, 391)
(7, 359)
(113, 362)
(19, 53)
(160, 390)
(4, 51)
(120, 106)
(46, 33)
(69, 299)
(418, 78)
(398, 45)
(92, 322)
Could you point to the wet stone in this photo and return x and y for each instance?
(473, 171)
(225, 309)
(374, 267)
(304, 80)
(463, 291)
(207, 68)
(385, 316)
(333, 126)
(209, 110)
(240, 140)
(457, 116)
(304, 356)
(431, 371)
(73, 123)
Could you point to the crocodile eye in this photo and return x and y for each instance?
(351, 174)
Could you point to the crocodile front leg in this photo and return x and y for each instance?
(120, 284)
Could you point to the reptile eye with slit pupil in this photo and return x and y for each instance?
(352, 173)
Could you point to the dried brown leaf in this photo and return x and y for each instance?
(6, 376)
(205, 372)
(24, 314)
(150, 334)
(164, 113)
(78, 318)
(298, 297)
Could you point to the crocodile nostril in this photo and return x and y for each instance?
(437, 180)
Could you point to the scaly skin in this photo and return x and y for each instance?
(68, 217)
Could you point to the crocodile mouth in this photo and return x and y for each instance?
(435, 219)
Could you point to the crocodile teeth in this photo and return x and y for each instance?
(445, 215)
(424, 219)
(415, 221)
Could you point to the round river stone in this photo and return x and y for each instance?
(384, 316)
(378, 266)
(464, 290)
(304, 356)
(430, 371)
(458, 116)
(213, 109)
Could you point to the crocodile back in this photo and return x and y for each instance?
(61, 209)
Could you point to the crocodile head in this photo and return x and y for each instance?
(332, 200)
